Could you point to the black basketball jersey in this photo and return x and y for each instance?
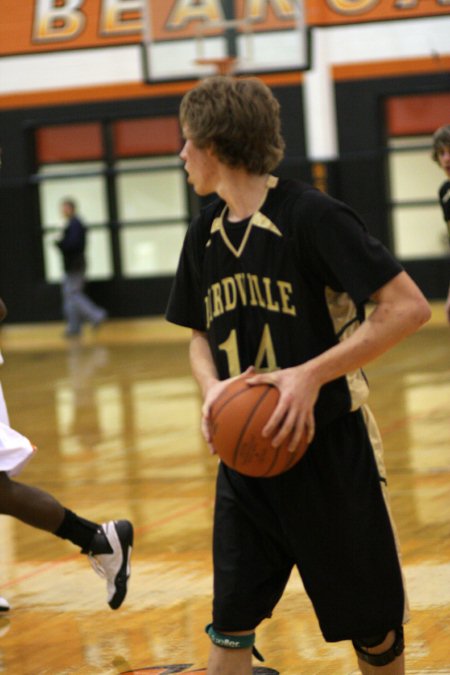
(444, 199)
(286, 288)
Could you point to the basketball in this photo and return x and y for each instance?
(237, 419)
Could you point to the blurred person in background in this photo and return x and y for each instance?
(77, 306)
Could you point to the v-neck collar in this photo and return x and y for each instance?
(258, 219)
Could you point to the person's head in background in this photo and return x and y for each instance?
(441, 148)
(68, 207)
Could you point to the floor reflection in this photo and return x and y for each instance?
(117, 426)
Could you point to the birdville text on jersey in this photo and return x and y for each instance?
(248, 289)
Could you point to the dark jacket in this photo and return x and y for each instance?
(72, 245)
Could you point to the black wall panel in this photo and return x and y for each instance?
(358, 178)
(22, 285)
(362, 137)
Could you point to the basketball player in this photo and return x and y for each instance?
(272, 280)
(108, 546)
(441, 155)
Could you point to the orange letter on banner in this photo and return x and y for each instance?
(412, 4)
(352, 6)
(121, 17)
(257, 9)
(57, 20)
(190, 10)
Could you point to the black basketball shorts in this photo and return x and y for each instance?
(328, 517)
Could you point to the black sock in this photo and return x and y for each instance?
(87, 535)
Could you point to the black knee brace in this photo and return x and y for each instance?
(361, 645)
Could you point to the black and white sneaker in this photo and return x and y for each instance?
(4, 605)
(115, 567)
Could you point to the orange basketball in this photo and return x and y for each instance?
(237, 418)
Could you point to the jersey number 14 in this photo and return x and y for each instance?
(265, 358)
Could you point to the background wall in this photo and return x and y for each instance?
(337, 116)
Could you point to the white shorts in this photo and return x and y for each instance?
(15, 450)
(3, 409)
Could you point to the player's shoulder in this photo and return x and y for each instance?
(207, 213)
(305, 200)
(211, 209)
(311, 212)
(200, 226)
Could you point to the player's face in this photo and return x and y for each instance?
(200, 165)
(443, 156)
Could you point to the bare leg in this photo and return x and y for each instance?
(397, 667)
(229, 661)
(110, 543)
(224, 661)
(30, 504)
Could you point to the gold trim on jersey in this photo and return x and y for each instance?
(258, 219)
(344, 316)
(378, 452)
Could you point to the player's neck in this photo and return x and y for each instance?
(242, 192)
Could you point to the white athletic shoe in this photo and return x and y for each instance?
(4, 605)
(115, 567)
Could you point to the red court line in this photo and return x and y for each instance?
(139, 530)
(182, 512)
(394, 426)
(404, 421)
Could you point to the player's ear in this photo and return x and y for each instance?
(211, 149)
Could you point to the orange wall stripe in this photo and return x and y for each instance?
(91, 94)
(72, 142)
(120, 92)
(418, 114)
(357, 71)
(364, 71)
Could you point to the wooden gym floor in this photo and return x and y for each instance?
(116, 421)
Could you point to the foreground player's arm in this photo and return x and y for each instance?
(400, 309)
(205, 372)
(202, 363)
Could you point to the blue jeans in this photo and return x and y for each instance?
(77, 307)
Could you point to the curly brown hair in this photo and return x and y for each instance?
(441, 139)
(239, 118)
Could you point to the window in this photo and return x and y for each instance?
(130, 192)
(84, 183)
(418, 228)
(151, 198)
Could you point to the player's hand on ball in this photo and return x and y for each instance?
(213, 393)
(294, 414)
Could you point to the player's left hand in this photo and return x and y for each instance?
(294, 414)
(212, 395)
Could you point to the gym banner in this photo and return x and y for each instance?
(47, 25)
(333, 12)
